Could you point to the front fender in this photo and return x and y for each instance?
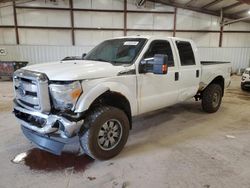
(87, 99)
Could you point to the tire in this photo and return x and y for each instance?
(211, 98)
(243, 88)
(105, 123)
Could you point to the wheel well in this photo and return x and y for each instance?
(220, 81)
(114, 99)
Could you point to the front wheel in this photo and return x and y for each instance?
(243, 88)
(211, 98)
(107, 133)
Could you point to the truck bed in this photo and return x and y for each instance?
(211, 69)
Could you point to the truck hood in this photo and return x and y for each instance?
(76, 70)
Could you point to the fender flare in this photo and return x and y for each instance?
(211, 78)
(86, 100)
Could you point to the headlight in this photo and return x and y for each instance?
(64, 96)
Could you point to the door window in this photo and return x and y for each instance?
(186, 53)
(160, 47)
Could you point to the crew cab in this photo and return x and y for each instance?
(92, 100)
(245, 79)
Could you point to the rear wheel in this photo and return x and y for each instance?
(107, 133)
(211, 98)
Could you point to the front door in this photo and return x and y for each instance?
(158, 90)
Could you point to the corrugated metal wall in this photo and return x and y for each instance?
(40, 54)
(240, 57)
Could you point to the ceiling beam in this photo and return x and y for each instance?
(241, 12)
(189, 3)
(231, 6)
(245, 1)
(178, 5)
(211, 4)
(235, 21)
(196, 9)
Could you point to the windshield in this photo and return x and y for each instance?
(117, 51)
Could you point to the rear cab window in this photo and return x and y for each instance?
(186, 53)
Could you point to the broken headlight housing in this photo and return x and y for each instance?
(65, 95)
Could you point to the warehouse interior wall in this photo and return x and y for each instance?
(41, 45)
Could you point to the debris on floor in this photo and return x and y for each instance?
(19, 158)
(91, 178)
(230, 136)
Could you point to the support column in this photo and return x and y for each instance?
(221, 28)
(175, 19)
(125, 19)
(72, 22)
(221, 36)
(15, 22)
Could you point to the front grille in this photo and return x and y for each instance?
(31, 90)
(27, 92)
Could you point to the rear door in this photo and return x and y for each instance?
(189, 71)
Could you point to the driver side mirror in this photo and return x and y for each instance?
(156, 65)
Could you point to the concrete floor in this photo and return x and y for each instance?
(179, 146)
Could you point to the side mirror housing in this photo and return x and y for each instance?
(156, 65)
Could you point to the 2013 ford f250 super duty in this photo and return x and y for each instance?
(92, 101)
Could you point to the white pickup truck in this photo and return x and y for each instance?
(92, 101)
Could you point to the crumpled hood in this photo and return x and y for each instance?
(76, 70)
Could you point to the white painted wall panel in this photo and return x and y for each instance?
(91, 38)
(7, 36)
(236, 39)
(26, 17)
(149, 6)
(140, 21)
(161, 7)
(44, 37)
(163, 21)
(43, 3)
(187, 19)
(82, 4)
(6, 14)
(149, 21)
(107, 4)
(99, 4)
(201, 39)
(98, 19)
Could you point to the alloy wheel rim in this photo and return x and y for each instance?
(110, 134)
(216, 99)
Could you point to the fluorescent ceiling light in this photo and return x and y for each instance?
(249, 12)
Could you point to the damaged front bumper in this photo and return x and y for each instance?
(48, 131)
